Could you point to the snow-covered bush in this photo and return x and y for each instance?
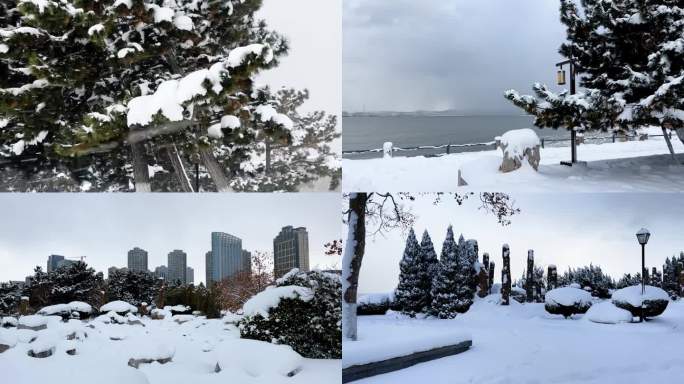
(303, 310)
(567, 301)
(134, 287)
(607, 313)
(374, 304)
(652, 303)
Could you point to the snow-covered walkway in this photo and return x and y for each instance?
(524, 344)
(611, 167)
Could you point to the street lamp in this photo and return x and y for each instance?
(642, 237)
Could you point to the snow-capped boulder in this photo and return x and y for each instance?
(178, 309)
(119, 306)
(517, 145)
(33, 322)
(567, 301)
(160, 314)
(111, 317)
(150, 352)
(7, 322)
(652, 303)
(75, 309)
(258, 358)
(180, 319)
(7, 340)
(607, 313)
(44, 346)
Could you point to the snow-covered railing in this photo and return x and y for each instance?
(420, 147)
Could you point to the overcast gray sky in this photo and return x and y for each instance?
(563, 229)
(314, 29)
(406, 55)
(105, 226)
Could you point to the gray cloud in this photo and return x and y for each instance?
(437, 54)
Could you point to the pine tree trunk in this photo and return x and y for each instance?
(491, 275)
(351, 262)
(215, 170)
(506, 276)
(529, 278)
(179, 169)
(141, 173)
(268, 156)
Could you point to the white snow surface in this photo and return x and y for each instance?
(607, 313)
(568, 296)
(99, 356)
(631, 166)
(391, 336)
(522, 344)
(262, 302)
(118, 306)
(632, 295)
(33, 320)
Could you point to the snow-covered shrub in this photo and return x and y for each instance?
(303, 310)
(652, 303)
(567, 301)
(374, 304)
(607, 313)
(134, 287)
(120, 307)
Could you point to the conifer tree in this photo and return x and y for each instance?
(409, 297)
(429, 266)
(628, 56)
(101, 90)
(465, 275)
(445, 284)
(134, 287)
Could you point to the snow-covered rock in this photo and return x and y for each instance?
(651, 303)
(7, 340)
(258, 358)
(67, 309)
(517, 145)
(180, 319)
(118, 307)
(160, 314)
(43, 346)
(607, 313)
(150, 352)
(8, 321)
(270, 298)
(33, 322)
(567, 301)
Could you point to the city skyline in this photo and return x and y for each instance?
(107, 243)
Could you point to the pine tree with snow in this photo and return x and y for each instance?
(429, 267)
(10, 296)
(76, 282)
(628, 55)
(134, 287)
(410, 298)
(133, 81)
(466, 283)
(445, 284)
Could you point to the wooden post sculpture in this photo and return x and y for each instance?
(506, 276)
(529, 277)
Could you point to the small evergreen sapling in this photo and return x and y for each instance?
(409, 297)
(445, 284)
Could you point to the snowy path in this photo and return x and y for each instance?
(523, 344)
(611, 167)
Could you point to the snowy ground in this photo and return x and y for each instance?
(612, 167)
(524, 344)
(196, 346)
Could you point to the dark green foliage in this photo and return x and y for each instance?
(410, 296)
(10, 296)
(198, 298)
(567, 310)
(76, 282)
(445, 284)
(312, 328)
(133, 287)
(627, 280)
(592, 277)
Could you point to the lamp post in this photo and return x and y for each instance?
(642, 237)
(560, 79)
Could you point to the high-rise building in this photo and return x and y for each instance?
(189, 275)
(137, 260)
(178, 262)
(208, 264)
(161, 272)
(226, 256)
(246, 261)
(290, 250)
(52, 262)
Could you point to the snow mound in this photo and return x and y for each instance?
(632, 295)
(152, 350)
(258, 358)
(270, 298)
(177, 308)
(568, 296)
(607, 313)
(231, 318)
(517, 141)
(118, 307)
(33, 321)
(8, 322)
(8, 338)
(74, 306)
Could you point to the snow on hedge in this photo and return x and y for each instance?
(375, 298)
(118, 306)
(258, 358)
(607, 313)
(270, 298)
(567, 296)
(632, 295)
